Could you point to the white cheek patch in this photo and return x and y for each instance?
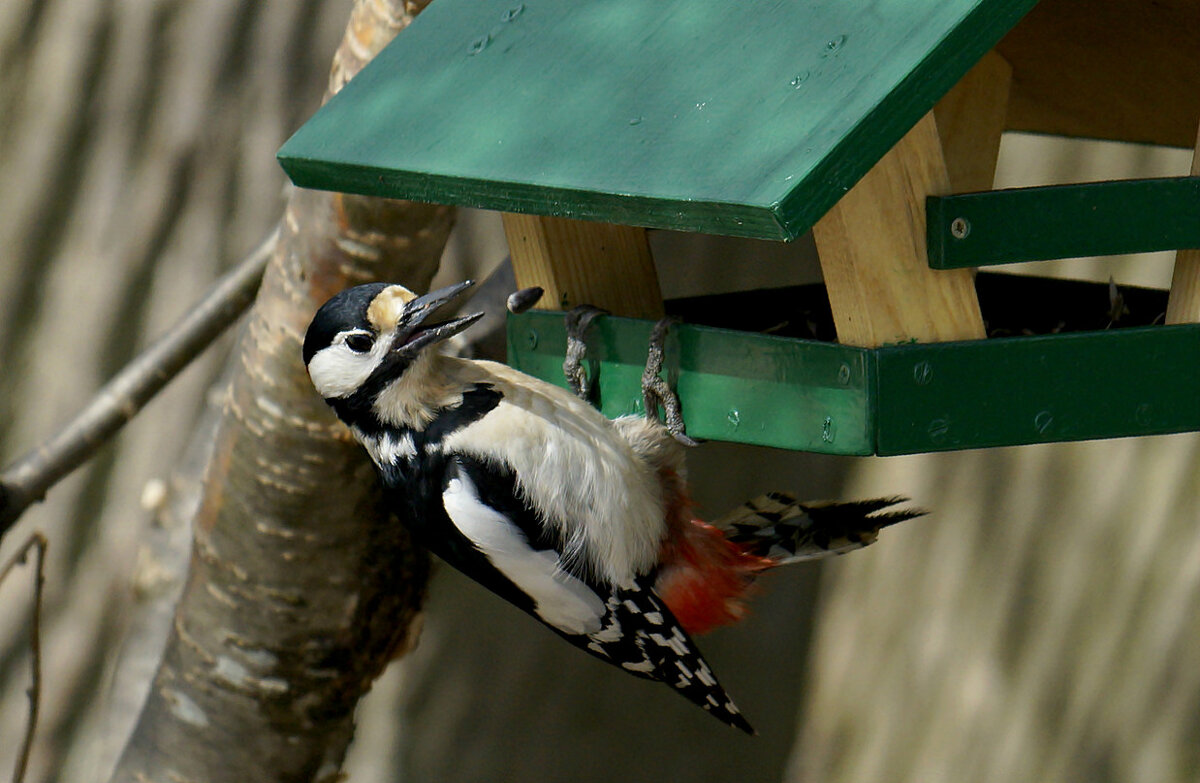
(337, 371)
(561, 600)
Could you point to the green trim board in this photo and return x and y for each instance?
(738, 387)
(746, 119)
(1020, 390)
(1063, 221)
(822, 397)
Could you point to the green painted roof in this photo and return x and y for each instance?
(747, 119)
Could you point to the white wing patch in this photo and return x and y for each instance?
(561, 600)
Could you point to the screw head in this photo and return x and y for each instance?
(938, 430)
(960, 227)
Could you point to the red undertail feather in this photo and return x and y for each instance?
(707, 573)
(703, 578)
(706, 579)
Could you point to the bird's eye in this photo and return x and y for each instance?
(359, 342)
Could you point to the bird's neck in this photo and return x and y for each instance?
(428, 386)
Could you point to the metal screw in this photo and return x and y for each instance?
(532, 339)
(1042, 421)
(844, 375)
(960, 227)
(938, 429)
(922, 373)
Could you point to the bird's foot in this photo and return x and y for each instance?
(578, 320)
(656, 391)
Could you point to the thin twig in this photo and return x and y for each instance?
(26, 480)
(36, 541)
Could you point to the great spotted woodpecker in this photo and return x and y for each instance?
(582, 522)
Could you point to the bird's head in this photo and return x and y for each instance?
(367, 336)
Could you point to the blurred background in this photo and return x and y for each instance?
(1043, 622)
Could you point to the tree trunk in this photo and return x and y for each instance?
(301, 588)
(136, 164)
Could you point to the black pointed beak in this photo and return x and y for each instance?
(413, 336)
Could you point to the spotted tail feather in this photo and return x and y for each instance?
(779, 527)
(639, 634)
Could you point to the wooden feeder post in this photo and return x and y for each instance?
(576, 262)
(1183, 306)
(872, 249)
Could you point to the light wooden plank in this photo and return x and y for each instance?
(872, 249)
(1183, 306)
(579, 262)
(970, 121)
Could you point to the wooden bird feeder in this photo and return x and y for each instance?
(588, 122)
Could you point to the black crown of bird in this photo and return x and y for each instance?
(581, 521)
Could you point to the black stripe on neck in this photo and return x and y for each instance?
(358, 410)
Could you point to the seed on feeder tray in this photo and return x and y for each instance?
(520, 301)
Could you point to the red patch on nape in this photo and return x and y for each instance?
(704, 579)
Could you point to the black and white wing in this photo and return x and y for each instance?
(506, 547)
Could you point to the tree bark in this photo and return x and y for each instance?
(301, 589)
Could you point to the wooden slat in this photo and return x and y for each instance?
(872, 249)
(579, 262)
(1183, 306)
(773, 391)
(1017, 390)
(970, 121)
(739, 387)
(1064, 221)
(1107, 69)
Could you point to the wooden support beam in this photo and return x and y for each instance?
(1183, 306)
(872, 249)
(970, 120)
(579, 262)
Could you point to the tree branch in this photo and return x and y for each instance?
(37, 542)
(26, 480)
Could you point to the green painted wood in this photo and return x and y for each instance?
(748, 119)
(739, 387)
(902, 399)
(1002, 392)
(1063, 221)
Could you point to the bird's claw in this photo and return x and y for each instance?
(578, 320)
(656, 391)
